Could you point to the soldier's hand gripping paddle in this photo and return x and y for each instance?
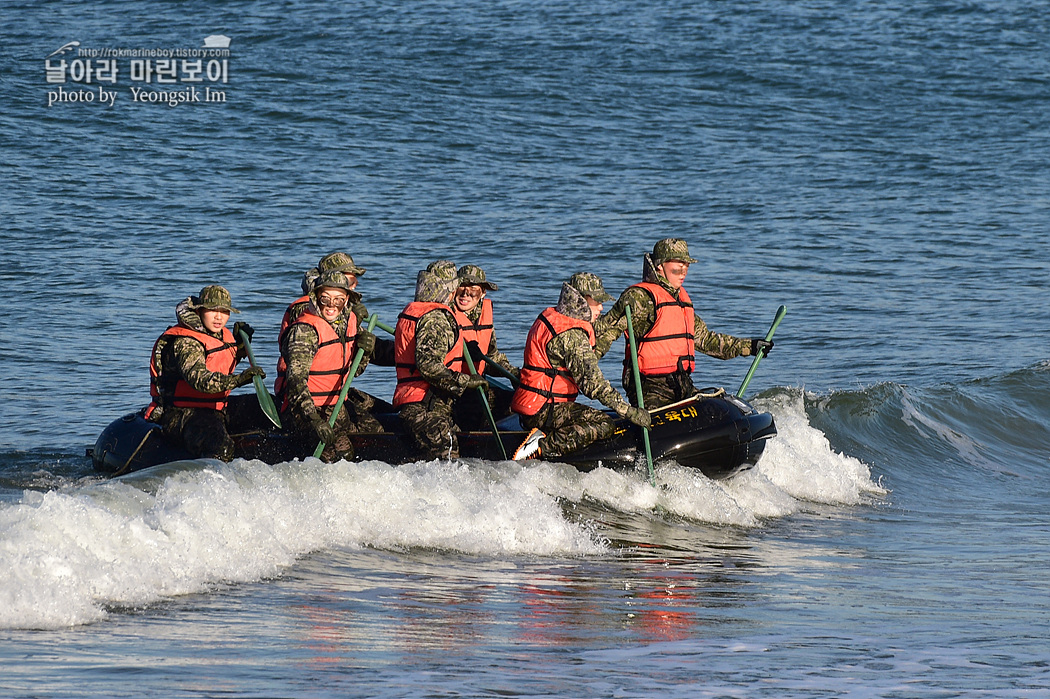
(761, 353)
(265, 401)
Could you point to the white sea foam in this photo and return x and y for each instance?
(70, 554)
(798, 466)
(801, 463)
(67, 555)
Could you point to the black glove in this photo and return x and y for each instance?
(366, 341)
(323, 430)
(475, 351)
(475, 381)
(238, 327)
(760, 343)
(639, 416)
(246, 376)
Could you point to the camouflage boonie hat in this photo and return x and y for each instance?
(472, 275)
(212, 298)
(443, 269)
(436, 283)
(332, 279)
(671, 249)
(339, 262)
(590, 285)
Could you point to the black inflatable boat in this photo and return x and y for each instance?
(715, 432)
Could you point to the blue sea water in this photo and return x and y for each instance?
(878, 168)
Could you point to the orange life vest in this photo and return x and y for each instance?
(329, 367)
(668, 346)
(220, 356)
(287, 319)
(470, 332)
(541, 383)
(411, 385)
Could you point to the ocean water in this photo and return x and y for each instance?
(878, 168)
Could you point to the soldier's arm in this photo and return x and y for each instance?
(384, 352)
(718, 345)
(571, 349)
(613, 324)
(300, 346)
(435, 334)
(189, 357)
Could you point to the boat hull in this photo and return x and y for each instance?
(719, 435)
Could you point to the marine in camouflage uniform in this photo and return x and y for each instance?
(299, 346)
(203, 432)
(383, 355)
(663, 390)
(570, 426)
(431, 422)
(469, 411)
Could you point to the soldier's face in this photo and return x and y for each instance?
(674, 272)
(332, 302)
(214, 320)
(596, 308)
(468, 297)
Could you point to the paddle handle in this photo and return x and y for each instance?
(494, 368)
(484, 400)
(247, 346)
(761, 353)
(638, 391)
(372, 320)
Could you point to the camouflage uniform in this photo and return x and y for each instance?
(431, 422)
(661, 390)
(469, 411)
(202, 431)
(569, 427)
(299, 346)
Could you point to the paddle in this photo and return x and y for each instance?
(484, 399)
(638, 392)
(265, 401)
(761, 353)
(372, 321)
(478, 355)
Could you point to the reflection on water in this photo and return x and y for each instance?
(661, 581)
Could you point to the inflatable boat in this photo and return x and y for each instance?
(714, 432)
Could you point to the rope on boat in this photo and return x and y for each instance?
(715, 393)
